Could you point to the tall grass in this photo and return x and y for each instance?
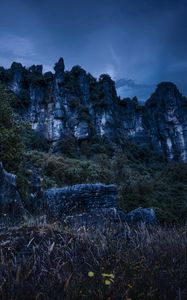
(52, 262)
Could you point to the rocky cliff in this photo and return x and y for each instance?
(73, 103)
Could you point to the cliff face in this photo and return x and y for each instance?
(76, 104)
(166, 121)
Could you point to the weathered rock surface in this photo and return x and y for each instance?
(141, 215)
(100, 218)
(79, 198)
(74, 103)
(10, 201)
(112, 217)
(78, 205)
(165, 120)
(92, 205)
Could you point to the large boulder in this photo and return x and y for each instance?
(79, 198)
(101, 219)
(92, 205)
(141, 215)
(104, 218)
(10, 201)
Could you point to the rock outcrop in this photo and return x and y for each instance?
(109, 217)
(92, 205)
(141, 215)
(74, 103)
(78, 199)
(78, 205)
(10, 202)
(165, 120)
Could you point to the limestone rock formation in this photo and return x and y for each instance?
(112, 216)
(74, 103)
(78, 205)
(166, 121)
(92, 204)
(100, 218)
(10, 202)
(79, 198)
(141, 215)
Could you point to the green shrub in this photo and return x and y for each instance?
(11, 146)
(69, 146)
(63, 171)
(6, 113)
(164, 189)
(141, 183)
(32, 139)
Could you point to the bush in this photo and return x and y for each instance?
(11, 146)
(11, 149)
(164, 189)
(140, 184)
(6, 113)
(67, 171)
(69, 146)
(32, 139)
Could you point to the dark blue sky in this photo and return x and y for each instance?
(142, 42)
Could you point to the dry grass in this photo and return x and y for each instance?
(51, 262)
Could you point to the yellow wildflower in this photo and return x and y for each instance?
(107, 282)
(110, 275)
(91, 274)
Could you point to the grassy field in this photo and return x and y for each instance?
(55, 262)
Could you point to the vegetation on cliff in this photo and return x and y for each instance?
(11, 144)
(144, 179)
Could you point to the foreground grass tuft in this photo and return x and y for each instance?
(51, 262)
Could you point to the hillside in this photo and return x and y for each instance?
(93, 189)
(116, 150)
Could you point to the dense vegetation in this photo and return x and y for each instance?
(11, 145)
(143, 178)
(162, 186)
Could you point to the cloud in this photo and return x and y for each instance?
(110, 69)
(21, 49)
(16, 46)
(131, 84)
(130, 88)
